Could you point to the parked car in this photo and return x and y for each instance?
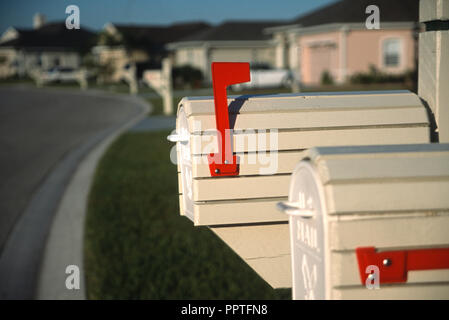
(267, 78)
(59, 74)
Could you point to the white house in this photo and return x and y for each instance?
(335, 40)
(45, 46)
(230, 41)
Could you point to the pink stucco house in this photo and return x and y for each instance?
(335, 39)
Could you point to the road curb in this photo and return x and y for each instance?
(65, 241)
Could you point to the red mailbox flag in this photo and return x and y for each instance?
(224, 74)
(395, 265)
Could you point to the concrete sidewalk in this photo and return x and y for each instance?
(155, 123)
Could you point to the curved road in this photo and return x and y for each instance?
(43, 135)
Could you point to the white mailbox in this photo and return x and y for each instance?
(269, 134)
(370, 222)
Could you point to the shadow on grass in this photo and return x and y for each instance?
(138, 247)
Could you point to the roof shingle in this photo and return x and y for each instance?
(353, 11)
(234, 30)
(53, 35)
(147, 35)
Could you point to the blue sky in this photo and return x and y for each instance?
(95, 13)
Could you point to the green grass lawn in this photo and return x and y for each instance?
(158, 107)
(137, 246)
(14, 81)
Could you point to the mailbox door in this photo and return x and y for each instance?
(186, 164)
(307, 234)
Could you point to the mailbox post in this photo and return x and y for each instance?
(130, 77)
(161, 82)
(434, 63)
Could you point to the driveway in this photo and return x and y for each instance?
(40, 129)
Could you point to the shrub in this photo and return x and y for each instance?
(326, 78)
(376, 76)
(187, 76)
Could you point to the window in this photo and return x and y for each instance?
(391, 52)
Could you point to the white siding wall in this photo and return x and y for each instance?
(202, 57)
(20, 63)
(62, 59)
(192, 56)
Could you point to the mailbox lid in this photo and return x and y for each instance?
(320, 110)
(306, 101)
(387, 178)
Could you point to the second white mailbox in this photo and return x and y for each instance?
(370, 222)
